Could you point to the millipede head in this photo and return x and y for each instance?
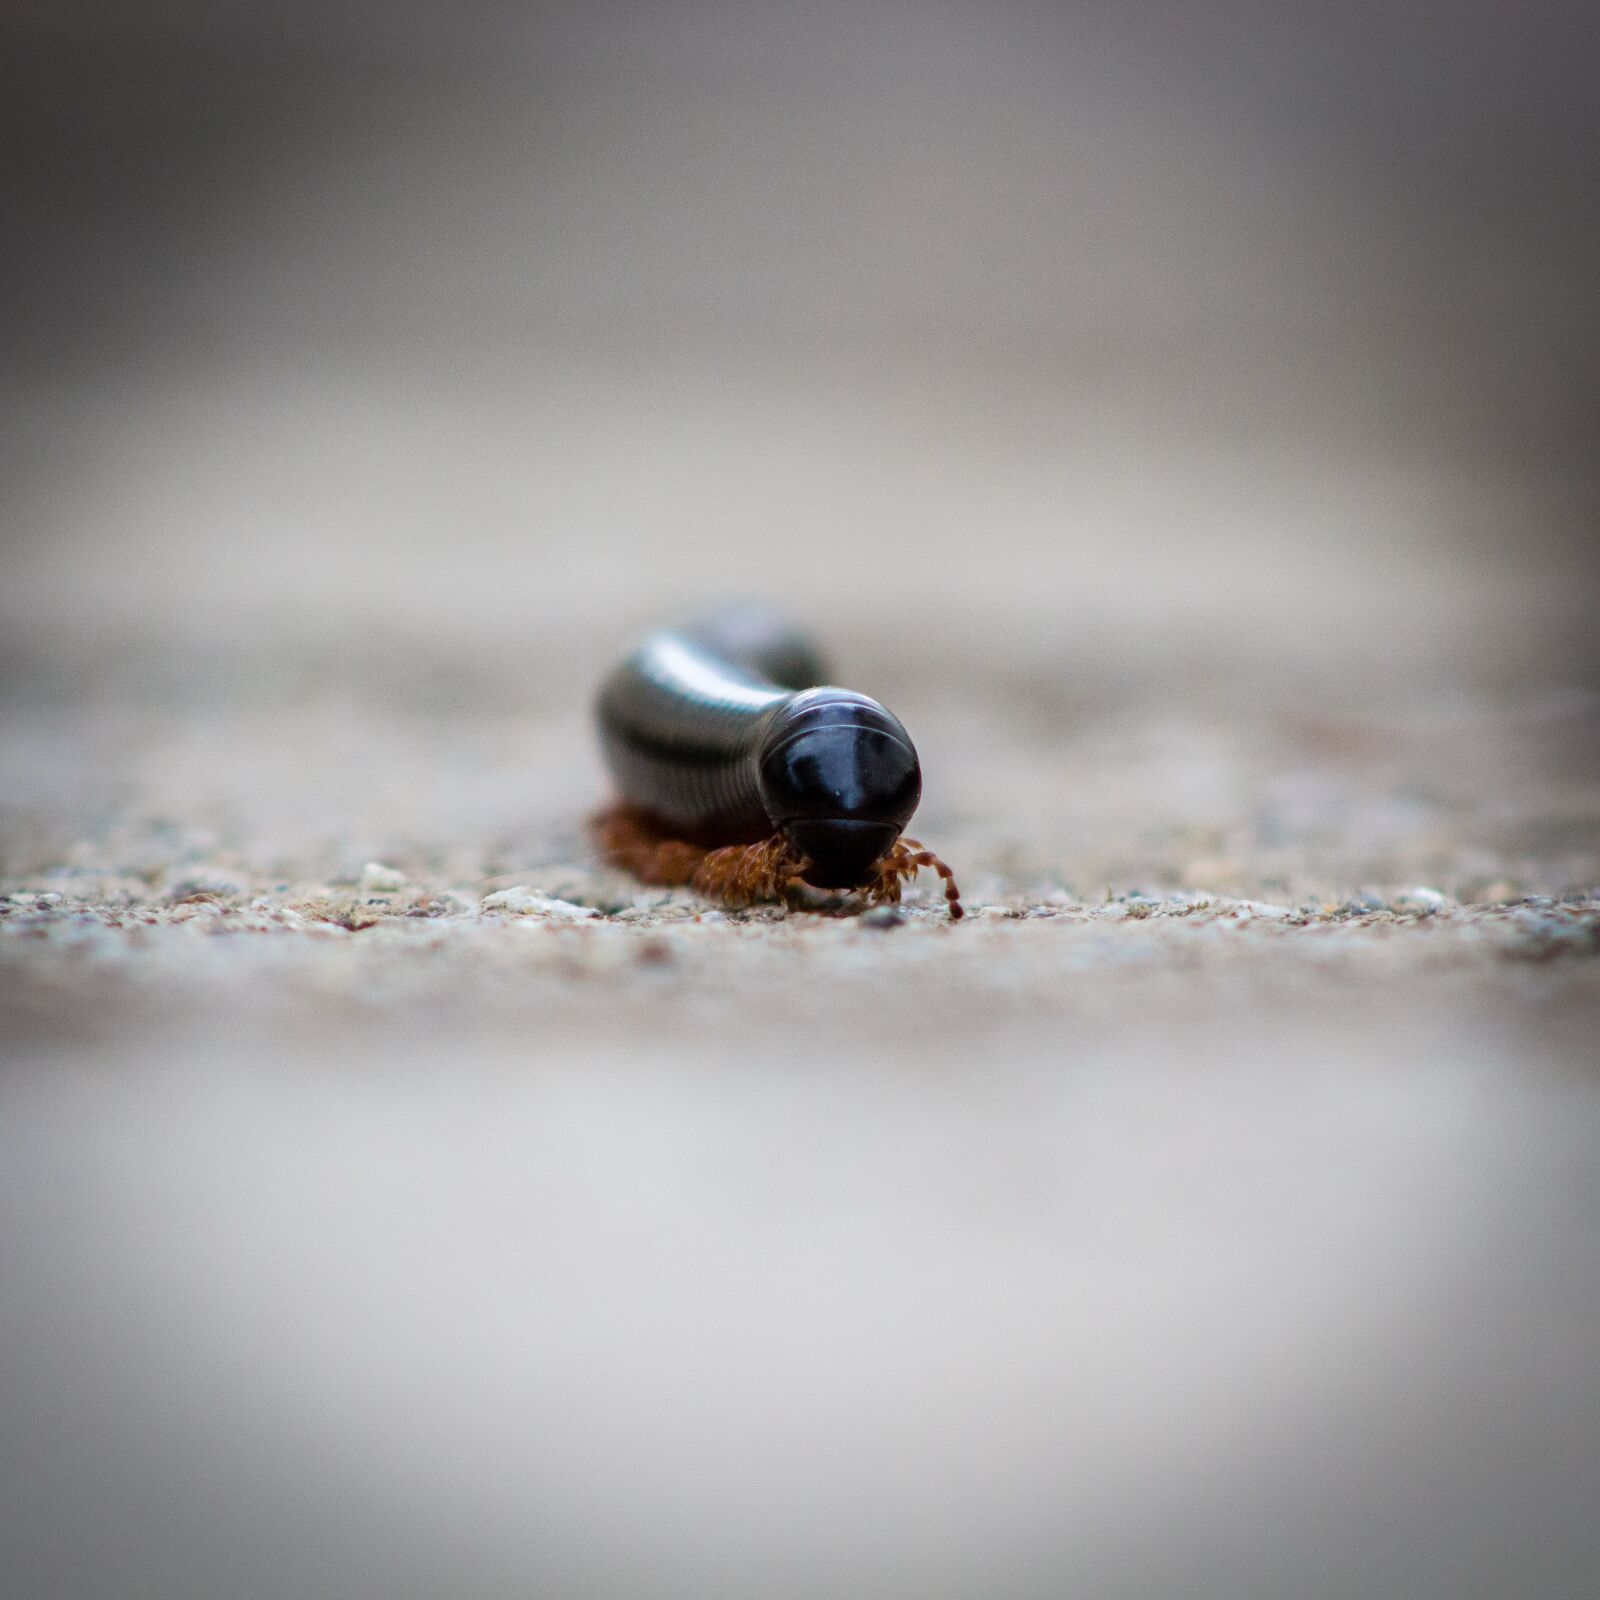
(841, 853)
(839, 778)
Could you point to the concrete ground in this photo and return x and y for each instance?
(1181, 425)
(397, 1202)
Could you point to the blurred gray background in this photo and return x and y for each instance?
(1271, 324)
(1185, 416)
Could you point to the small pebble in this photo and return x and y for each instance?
(1420, 898)
(1260, 908)
(376, 878)
(526, 902)
(883, 917)
(447, 903)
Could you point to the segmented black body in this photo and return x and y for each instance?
(726, 734)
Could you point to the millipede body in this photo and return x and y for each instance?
(743, 774)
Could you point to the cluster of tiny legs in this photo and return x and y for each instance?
(746, 874)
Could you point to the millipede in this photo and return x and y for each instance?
(743, 774)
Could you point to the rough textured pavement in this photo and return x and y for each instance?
(396, 1202)
(1183, 419)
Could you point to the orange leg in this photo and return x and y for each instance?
(628, 839)
(742, 874)
(737, 875)
(902, 864)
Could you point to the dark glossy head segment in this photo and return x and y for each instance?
(842, 854)
(839, 776)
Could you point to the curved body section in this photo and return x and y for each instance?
(680, 727)
(723, 734)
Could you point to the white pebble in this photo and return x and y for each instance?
(1252, 910)
(528, 902)
(376, 878)
(1420, 899)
